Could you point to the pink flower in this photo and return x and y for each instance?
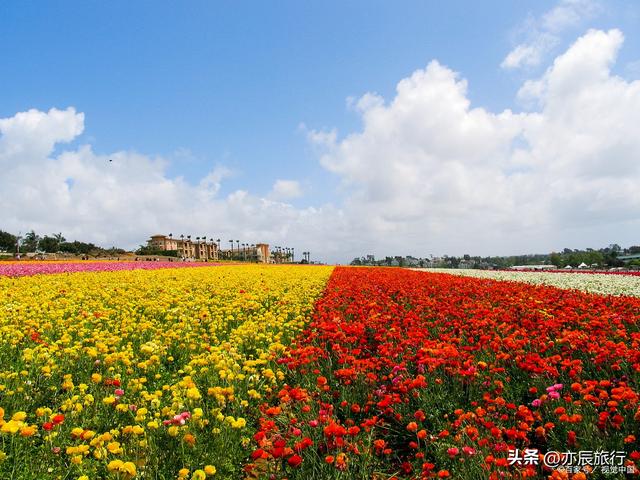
(536, 403)
(554, 388)
(178, 420)
(469, 451)
(554, 395)
(453, 451)
(313, 423)
(119, 392)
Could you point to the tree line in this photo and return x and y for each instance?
(606, 257)
(31, 242)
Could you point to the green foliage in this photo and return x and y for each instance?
(149, 250)
(7, 241)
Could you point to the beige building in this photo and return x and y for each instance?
(187, 248)
(203, 249)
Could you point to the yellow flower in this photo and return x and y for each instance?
(115, 465)
(11, 427)
(193, 394)
(198, 475)
(114, 447)
(210, 470)
(129, 468)
(137, 430)
(19, 416)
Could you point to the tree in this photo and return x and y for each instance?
(59, 238)
(151, 250)
(79, 248)
(49, 244)
(556, 259)
(30, 242)
(7, 241)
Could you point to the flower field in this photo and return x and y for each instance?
(406, 374)
(145, 374)
(602, 283)
(21, 269)
(294, 372)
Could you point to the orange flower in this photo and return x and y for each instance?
(189, 439)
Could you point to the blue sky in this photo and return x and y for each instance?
(206, 84)
(230, 82)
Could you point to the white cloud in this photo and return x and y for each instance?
(286, 190)
(542, 35)
(123, 197)
(428, 173)
(530, 54)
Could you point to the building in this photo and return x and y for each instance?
(203, 249)
(200, 249)
(627, 258)
(245, 252)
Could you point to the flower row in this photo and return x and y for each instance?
(405, 374)
(21, 269)
(146, 374)
(603, 284)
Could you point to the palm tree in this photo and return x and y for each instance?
(59, 239)
(231, 254)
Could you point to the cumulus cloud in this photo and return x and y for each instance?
(286, 190)
(542, 35)
(429, 167)
(428, 172)
(123, 197)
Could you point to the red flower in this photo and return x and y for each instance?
(294, 460)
